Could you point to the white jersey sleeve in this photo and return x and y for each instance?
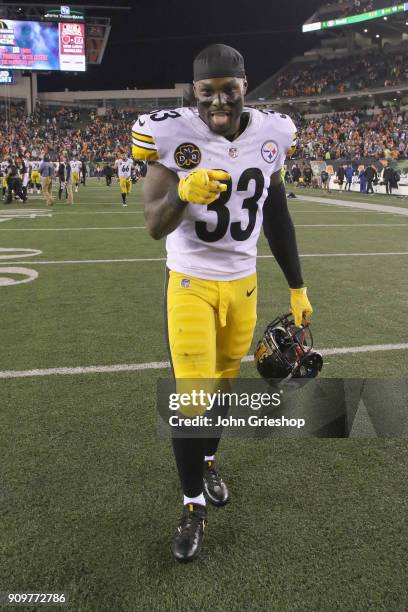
(143, 145)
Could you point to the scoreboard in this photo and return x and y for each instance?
(40, 45)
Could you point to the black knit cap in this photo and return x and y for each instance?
(218, 61)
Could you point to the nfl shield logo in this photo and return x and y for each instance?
(233, 152)
(185, 283)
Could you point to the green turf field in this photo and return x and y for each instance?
(89, 496)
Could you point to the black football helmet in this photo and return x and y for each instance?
(285, 351)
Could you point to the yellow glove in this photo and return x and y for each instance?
(300, 306)
(202, 186)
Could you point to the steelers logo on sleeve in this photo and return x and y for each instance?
(187, 156)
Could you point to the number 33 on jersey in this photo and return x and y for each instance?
(217, 241)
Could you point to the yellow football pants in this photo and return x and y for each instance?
(210, 325)
(35, 177)
(125, 184)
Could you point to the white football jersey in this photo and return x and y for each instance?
(218, 241)
(35, 165)
(75, 166)
(124, 167)
(4, 167)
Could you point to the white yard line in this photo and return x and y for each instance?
(147, 259)
(162, 365)
(353, 204)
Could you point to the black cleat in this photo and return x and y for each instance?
(214, 487)
(188, 539)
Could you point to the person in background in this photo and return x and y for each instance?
(296, 174)
(47, 172)
(395, 179)
(325, 177)
(25, 175)
(363, 180)
(61, 177)
(14, 183)
(68, 182)
(307, 176)
(349, 173)
(371, 174)
(76, 166)
(340, 174)
(84, 173)
(108, 172)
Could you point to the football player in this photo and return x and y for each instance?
(35, 175)
(3, 173)
(76, 166)
(212, 219)
(124, 169)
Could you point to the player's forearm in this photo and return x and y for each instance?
(164, 216)
(280, 233)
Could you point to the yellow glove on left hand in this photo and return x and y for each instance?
(300, 306)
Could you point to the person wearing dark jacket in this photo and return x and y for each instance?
(388, 178)
(371, 174)
(61, 178)
(84, 172)
(307, 176)
(296, 174)
(107, 172)
(340, 174)
(14, 184)
(395, 179)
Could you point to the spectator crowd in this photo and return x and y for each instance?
(64, 131)
(358, 72)
(352, 135)
(380, 134)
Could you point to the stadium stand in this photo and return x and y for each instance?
(377, 133)
(61, 130)
(356, 72)
(361, 71)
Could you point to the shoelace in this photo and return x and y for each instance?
(212, 475)
(188, 523)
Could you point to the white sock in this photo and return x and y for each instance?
(200, 499)
(209, 458)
